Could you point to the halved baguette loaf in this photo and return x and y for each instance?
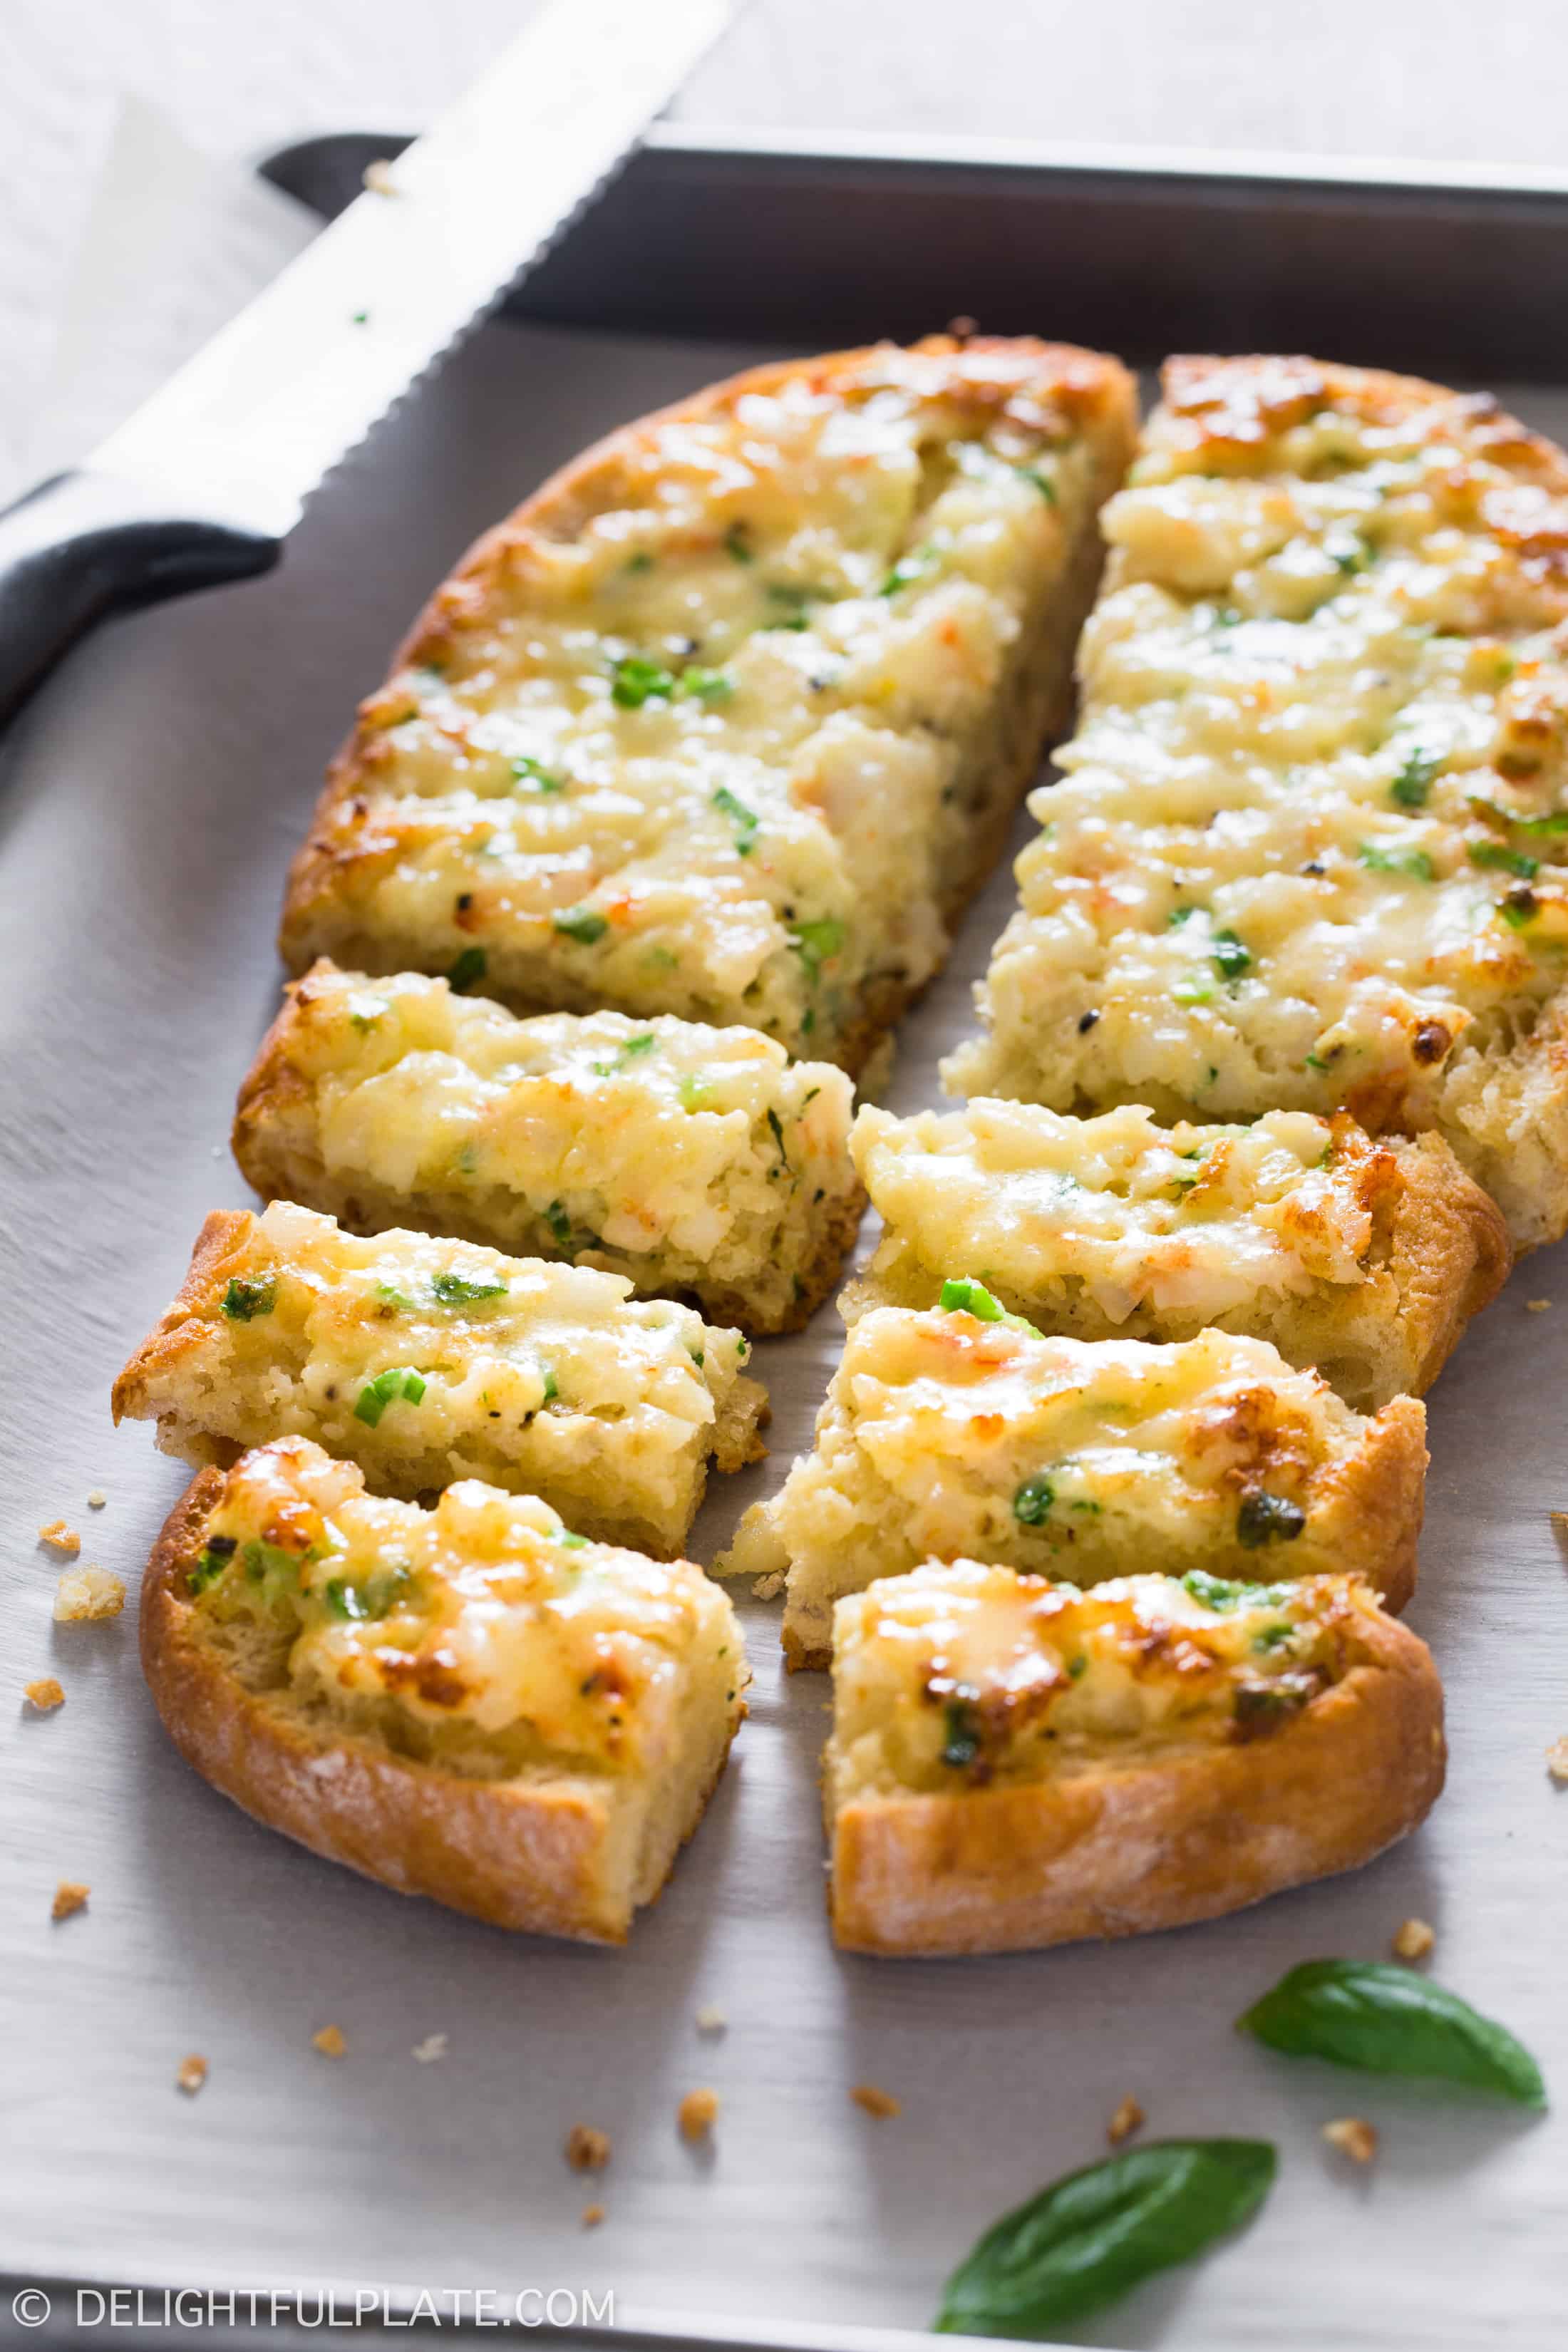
(1363, 1260)
(698, 1162)
(1311, 851)
(468, 1703)
(426, 1360)
(729, 719)
(947, 1435)
(1015, 1763)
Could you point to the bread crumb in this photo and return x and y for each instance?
(591, 2216)
(84, 1594)
(70, 1896)
(96, 1499)
(768, 1587)
(1127, 2119)
(193, 2073)
(1352, 2137)
(1557, 1759)
(330, 2042)
(1414, 1939)
(45, 1694)
(876, 2102)
(433, 2046)
(59, 1538)
(586, 2150)
(378, 178)
(696, 2114)
(712, 2020)
(1536, 1305)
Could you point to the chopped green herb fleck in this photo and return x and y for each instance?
(1507, 861)
(906, 570)
(1412, 785)
(1032, 1503)
(529, 771)
(470, 966)
(458, 1289)
(569, 1541)
(1231, 959)
(745, 820)
(816, 943)
(778, 1136)
(1413, 862)
(560, 1223)
(633, 681)
(249, 1296)
(641, 562)
(738, 543)
(1042, 482)
(215, 1556)
(582, 924)
(706, 684)
(695, 1093)
(397, 1380)
(1224, 1593)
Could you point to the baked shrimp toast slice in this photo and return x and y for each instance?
(471, 1703)
(1311, 849)
(729, 719)
(426, 1360)
(947, 1435)
(1362, 1260)
(1016, 1763)
(698, 1162)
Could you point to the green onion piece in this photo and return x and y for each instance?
(249, 1296)
(635, 680)
(397, 1380)
(458, 1289)
(582, 924)
(745, 820)
(816, 943)
(469, 966)
(529, 771)
(1032, 1503)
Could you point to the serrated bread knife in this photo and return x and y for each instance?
(205, 482)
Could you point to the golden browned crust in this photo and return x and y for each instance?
(1368, 1509)
(1449, 1253)
(180, 1330)
(1091, 386)
(1227, 406)
(533, 1858)
(1123, 1850)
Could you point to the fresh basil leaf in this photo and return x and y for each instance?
(1093, 2236)
(1388, 2021)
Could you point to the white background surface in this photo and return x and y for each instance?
(184, 747)
(1438, 79)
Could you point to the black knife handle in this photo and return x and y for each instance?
(84, 545)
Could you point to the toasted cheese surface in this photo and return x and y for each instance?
(966, 1675)
(703, 732)
(947, 1435)
(680, 1155)
(1309, 851)
(1188, 1220)
(427, 1360)
(483, 1634)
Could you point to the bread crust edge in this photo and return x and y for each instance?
(1122, 1852)
(531, 1859)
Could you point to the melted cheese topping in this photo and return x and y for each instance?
(485, 1616)
(685, 1152)
(946, 1436)
(959, 1674)
(1309, 847)
(429, 1360)
(1190, 1220)
(709, 749)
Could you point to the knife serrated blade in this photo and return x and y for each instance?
(249, 427)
